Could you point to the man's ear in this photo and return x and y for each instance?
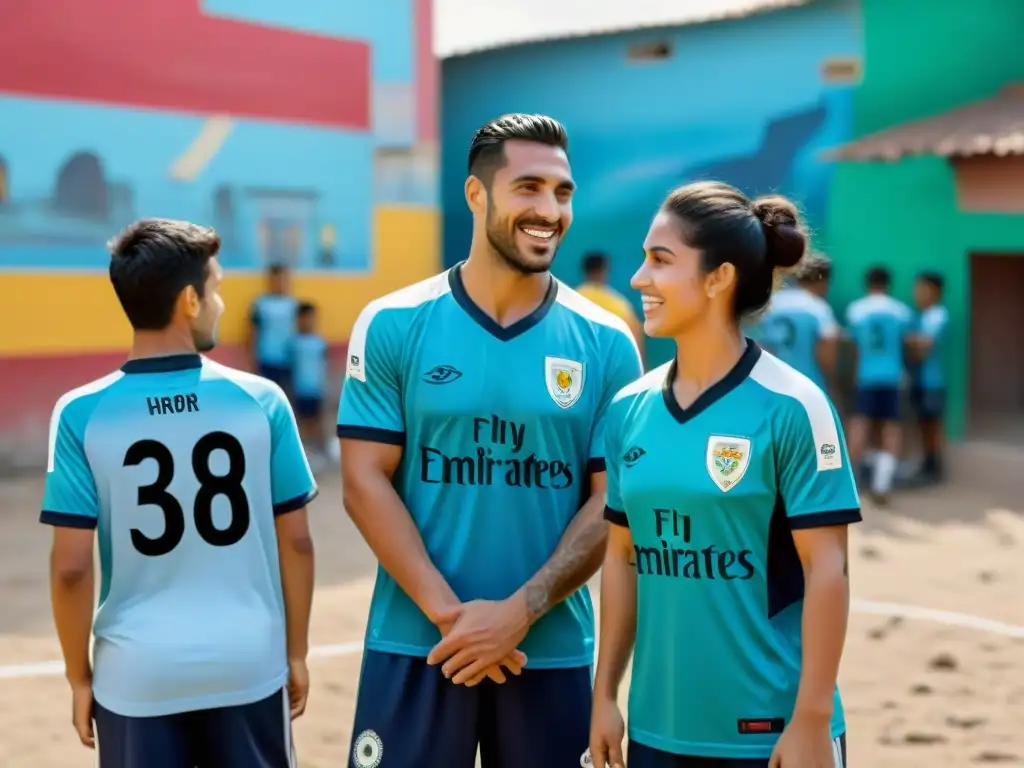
(476, 195)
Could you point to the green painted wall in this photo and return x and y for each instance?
(922, 59)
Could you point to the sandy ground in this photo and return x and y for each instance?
(918, 692)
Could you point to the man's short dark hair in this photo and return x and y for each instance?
(277, 268)
(879, 278)
(934, 279)
(594, 263)
(487, 150)
(814, 268)
(306, 308)
(151, 263)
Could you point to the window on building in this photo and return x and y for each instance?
(644, 52)
(842, 70)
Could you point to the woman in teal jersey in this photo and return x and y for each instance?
(729, 493)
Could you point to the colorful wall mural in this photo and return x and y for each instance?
(303, 131)
(742, 100)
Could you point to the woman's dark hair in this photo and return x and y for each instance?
(756, 236)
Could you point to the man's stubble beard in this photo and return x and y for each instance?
(501, 240)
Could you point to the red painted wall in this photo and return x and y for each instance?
(167, 54)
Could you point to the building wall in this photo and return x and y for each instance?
(905, 214)
(304, 131)
(740, 100)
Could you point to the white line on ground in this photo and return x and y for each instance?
(917, 612)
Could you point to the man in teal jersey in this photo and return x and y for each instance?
(928, 388)
(192, 477)
(730, 490)
(800, 327)
(880, 325)
(472, 432)
(272, 321)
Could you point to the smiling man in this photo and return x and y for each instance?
(472, 433)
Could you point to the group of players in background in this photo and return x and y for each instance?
(889, 346)
(499, 443)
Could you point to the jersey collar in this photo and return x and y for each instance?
(716, 391)
(163, 364)
(488, 323)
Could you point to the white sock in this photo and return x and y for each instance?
(885, 470)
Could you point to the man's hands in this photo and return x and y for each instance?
(607, 732)
(81, 712)
(480, 637)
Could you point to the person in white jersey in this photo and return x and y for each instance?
(192, 477)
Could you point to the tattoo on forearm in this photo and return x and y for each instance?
(576, 559)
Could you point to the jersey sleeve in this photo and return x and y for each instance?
(933, 323)
(371, 397)
(70, 498)
(828, 328)
(814, 476)
(291, 482)
(614, 508)
(622, 368)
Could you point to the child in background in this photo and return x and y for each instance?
(309, 382)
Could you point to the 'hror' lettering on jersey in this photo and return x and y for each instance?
(679, 558)
(498, 458)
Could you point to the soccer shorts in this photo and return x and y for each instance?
(928, 403)
(308, 407)
(257, 735)
(408, 711)
(646, 757)
(279, 374)
(877, 403)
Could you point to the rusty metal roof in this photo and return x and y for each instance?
(469, 26)
(994, 126)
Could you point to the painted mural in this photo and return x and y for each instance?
(251, 116)
(304, 131)
(742, 101)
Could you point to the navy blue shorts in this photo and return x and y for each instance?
(308, 407)
(646, 757)
(928, 403)
(877, 403)
(257, 735)
(279, 374)
(408, 711)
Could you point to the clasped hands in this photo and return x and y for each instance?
(479, 640)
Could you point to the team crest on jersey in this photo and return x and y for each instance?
(727, 460)
(564, 379)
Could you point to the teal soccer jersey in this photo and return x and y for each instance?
(795, 324)
(711, 495)
(181, 465)
(879, 324)
(500, 428)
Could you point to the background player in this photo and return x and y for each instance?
(472, 426)
(193, 476)
(879, 325)
(596, 288)
(309, 381)
(738, 605)
(801, 327)
(272, 326)
(928, 386)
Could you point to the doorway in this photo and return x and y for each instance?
(996, 402)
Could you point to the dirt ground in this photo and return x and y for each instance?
(918, 692)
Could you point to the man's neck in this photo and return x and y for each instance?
(170, 341)
(502, 292)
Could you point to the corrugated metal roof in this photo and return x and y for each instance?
(469, 26)
(994, 126)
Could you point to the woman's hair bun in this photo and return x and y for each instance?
(783, 230)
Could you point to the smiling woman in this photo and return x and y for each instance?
(746, 561)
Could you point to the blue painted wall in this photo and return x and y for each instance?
(270, 181)
(743, 101)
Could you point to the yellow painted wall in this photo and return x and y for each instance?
(53, 313)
